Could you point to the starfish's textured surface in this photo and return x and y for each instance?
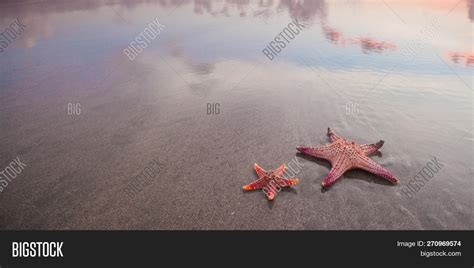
(270, 181)
(345, 155)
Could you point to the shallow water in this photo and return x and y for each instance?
(401, 71)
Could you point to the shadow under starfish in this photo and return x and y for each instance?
(345, 155)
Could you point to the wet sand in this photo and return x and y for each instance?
(155, 107)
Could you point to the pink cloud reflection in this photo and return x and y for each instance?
(367, 44)
(459, 57)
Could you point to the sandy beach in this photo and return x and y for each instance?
(80, 162)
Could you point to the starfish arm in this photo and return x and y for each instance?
(287, 182)
(260, 171)
(324, 152)
(333, 136)
(369, 149)
(339, 167)
(279, 170)
(270, 193)
(258, 184)
(371, 166)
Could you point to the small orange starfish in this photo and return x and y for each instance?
(270, 182)
(345, 155)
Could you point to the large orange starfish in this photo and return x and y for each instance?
(345, 155)
(270, 182)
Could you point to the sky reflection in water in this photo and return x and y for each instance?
(239, 29)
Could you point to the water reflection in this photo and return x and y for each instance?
(471, 9)
(305, 10)
(39, 18)
(367, 44)
(462, 58)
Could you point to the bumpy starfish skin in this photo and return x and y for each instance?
(270, 181)
(345, 155)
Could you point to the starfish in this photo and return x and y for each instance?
(270, 182)
(345, 155)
